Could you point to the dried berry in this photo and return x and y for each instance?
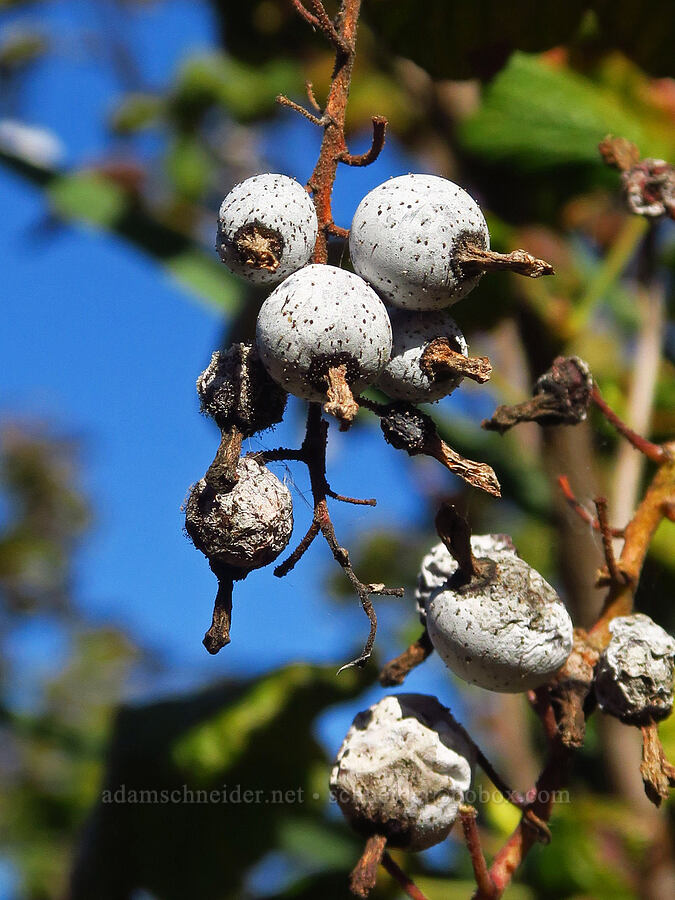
(246, 527)
(236, 391)
(405, 236)
(405, 378)
(321, 320)
(402, 771)
(504, 628)
(267, 227)
(634, 676)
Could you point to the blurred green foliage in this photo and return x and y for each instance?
(548, 81)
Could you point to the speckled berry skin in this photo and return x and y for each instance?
(404, 237)
(403, 377)
(319, 317)
(247, 527)
(506, 630)
(634, 675)
(402, 771)
(438, 565)
(278, 203)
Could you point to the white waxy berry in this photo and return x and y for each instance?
(505, 629)
(634, 676)
(402, 771)
(404, 378)
(319, 318)
(438, 565)
(246, 527)
(267, 228)
(405, 236)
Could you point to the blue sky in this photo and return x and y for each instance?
(99, 343)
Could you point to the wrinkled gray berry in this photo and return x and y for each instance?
(267, 228)
(402, 771)
(321, 317)
(404, 378)
(634, 676)
(236, 391)
(405, 235)
(506, 629)
(246, 527)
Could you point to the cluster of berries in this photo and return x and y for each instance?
(324, 334)
(405, 765)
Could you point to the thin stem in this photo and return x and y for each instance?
(606, 532)
(376, 146)
(305, 13)
(282, 100)
(583, 514)
(407, 885)
(653, 452)
(468, 816)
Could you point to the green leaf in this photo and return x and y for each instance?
(135, 112)
(87, 197)
(188, 166)
(207, 278)
(537, 117)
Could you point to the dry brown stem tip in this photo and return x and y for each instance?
(441, 360)
(658, 775)
(619, 153)
(340, 403)
(477, 474)
(475, 260)
(364, 875)
(218, 635)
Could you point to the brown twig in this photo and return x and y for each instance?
(654, 452)
(583, 513)
(658, 775)
(338, 39)
(376, 146)
(606, 533)
(396, 670)
(305, 13)
(313, 455)
(364, 874)
(468, 815)
(407, 885)
(309, 88)
(282, 100)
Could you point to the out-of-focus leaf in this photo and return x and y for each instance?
(536, 117)
(207, 278)
(188, 166)
(248, 742)
(464, 40)
(21, 46)
(245, 91)
(87, 197)
(135, 112)
(318, 845)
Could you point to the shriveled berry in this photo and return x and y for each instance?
(634, 675)
(246, 527)
(236, 391)
(402, 771)
(267, 228)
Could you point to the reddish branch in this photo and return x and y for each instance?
(654, 452)
(342, 35)
(583, 514)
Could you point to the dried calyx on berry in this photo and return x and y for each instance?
(402, 771)
(634, 675)
(495, 621)
(267, 227)
(236, 391)
(323, 335)
(405, 376)
(245, 527)
(561, 396)
(423, 243)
